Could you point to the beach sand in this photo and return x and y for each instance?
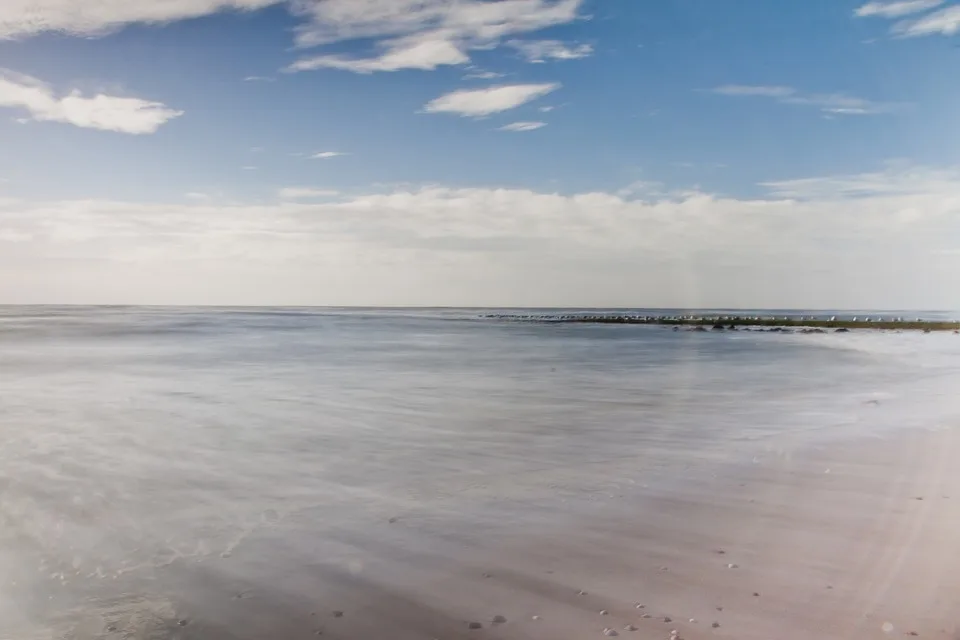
(858, 539)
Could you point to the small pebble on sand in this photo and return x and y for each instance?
(719, 608)
(499, 620)
(733, 566)
(392, 520)
(338, 614)
(645, 616)
(912, 633)
(664, 569)
(610, 632)
(536, 617)
(721, 551)
(693, 620)
(182, 623)
(581, 593)
(629, 627)
(667, 619)
(474, 625)
(756, 595)
(486, 575)
(715, 625)
(640, 606)
(604, 612)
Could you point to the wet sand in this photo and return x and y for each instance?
(853, 540)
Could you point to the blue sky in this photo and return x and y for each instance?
(562, 152)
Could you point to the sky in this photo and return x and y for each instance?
(610, 153)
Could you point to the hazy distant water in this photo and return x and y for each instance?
(135, 440)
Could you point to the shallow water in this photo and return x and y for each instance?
(139, 441)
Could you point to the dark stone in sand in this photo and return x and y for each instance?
(392, 520)
(338, 614)
(715, 625)
(499, 620)
(667, 619)
(756, 595)
(486, 575)
(842, 330)
(719, 608)
(182, 623)
(112, 628)
(474, 625)
(629, 627)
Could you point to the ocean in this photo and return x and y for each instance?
(156, 458)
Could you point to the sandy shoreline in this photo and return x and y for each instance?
(852, 540)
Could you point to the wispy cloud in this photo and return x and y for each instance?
(483, 102)
(829, 103)
(523, 126)
(543, 50)
(259, 79)
(326, 155)
(483, 75)
(755, 90)
(425, 55)
(420, 34)
(105, 112)
(895, 9)
(80, 17)
(945, 22)
(407, 34)
(305, 193)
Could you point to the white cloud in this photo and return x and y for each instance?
(895, 9)
(109, 113)
(425, 55)
(547, 108)
(755, 90)
(829, 103)
(409, 34)
(326, 155)
(420, 34)
(543, 50)
(23, 18)
(483, 102)
(305, 193)
(879, 239)
(523, 126)
(483, 75)
(259, 79)
(944, 22)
